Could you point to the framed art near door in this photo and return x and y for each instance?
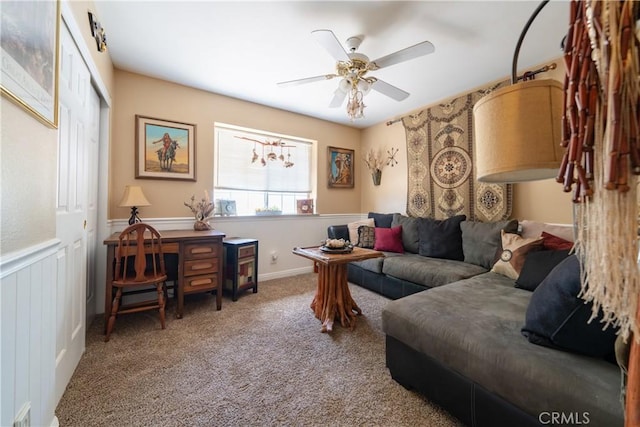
(29, 57)
(340, 162)
(165, 149)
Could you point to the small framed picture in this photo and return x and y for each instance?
(340, 167)
(165, 149)
(225, 207)
(305, 206)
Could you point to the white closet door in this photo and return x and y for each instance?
(77, 183)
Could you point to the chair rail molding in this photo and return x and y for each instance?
(15, 261)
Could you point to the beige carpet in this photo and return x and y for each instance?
(259, 361)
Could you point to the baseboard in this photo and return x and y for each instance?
(285, 273)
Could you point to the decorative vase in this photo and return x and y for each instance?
(201, 226)
(377, 176)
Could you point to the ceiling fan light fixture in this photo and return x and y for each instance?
(355, 105)
(353, 66)
(353, 43)
(364, 86)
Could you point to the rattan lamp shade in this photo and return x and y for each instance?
(518, 132)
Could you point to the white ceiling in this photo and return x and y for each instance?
(242, 49)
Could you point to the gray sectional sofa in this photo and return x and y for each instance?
(481, 344)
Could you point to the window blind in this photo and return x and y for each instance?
(235, 169)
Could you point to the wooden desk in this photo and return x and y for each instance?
(199, 263)
(333, 298)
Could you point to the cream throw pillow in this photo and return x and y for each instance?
(514, 250)
(535, 229)
(353, 229)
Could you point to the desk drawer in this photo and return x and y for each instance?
(200, 283)
(201, 250)
(194, 267)
(247, 251)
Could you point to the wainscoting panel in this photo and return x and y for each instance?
(27, 320)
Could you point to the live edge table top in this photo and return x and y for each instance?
(316, 254)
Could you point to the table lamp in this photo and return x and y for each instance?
(133, 197)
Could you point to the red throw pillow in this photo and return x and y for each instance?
(389, 239)
(555, 243)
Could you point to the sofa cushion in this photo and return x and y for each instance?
(537, 265)
(556, 317)
(381, 219)
(375, 264)
(535, 229)
(389, 239)
(353, 228)
(427, 271)
(514, 251)
(441, 238)
(410, 232)
(553, 242)
(481, 240)
(366, 237)
(473, 327)
(338, 232)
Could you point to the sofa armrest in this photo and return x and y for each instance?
(338, 232)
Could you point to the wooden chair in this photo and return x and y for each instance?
(138, 264)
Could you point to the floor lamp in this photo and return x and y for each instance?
(521, 134)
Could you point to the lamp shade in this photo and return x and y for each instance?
(518, 132)
(133, 196)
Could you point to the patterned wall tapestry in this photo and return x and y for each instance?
(440, 165)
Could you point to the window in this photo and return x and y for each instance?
(261, 170)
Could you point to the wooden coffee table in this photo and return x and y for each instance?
(333, 299)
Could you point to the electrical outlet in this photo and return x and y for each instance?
(274, 257)
(23, 419)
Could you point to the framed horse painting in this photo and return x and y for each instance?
(165, 149)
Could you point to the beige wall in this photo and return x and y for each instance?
(137, 94)
(391, 194)
(538, 201)
(542, 201)
(102, 60)
(28, 159)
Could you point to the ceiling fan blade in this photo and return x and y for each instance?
(307, 80)
(405, 54)
(328, 40)
(389, 90)
(338, 98)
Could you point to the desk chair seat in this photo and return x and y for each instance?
(139, 265)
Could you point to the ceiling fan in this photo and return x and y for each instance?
(353, 67)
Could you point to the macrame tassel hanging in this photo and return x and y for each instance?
(602, 157)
